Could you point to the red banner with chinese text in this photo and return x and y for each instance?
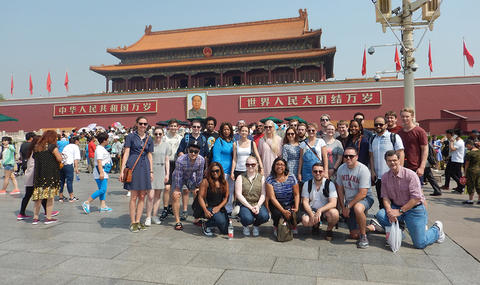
(113, 108)
(312, 99)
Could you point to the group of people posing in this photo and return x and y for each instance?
(311, 175)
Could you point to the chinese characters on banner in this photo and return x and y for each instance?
(116, 108)
(313, 99)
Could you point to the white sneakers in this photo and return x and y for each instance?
(441, 234)
(148, 221)
(156, 220)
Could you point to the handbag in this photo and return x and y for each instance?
(284, 232)
(127, 172)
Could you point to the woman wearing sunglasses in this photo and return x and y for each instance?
(250, 192)
(269, 147)
(313, 150)
(212, 198)
(161, 167)
(291, 150)
(138, 150)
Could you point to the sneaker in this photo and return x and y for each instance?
(329, 235)
(170, 210)
(275, 231)
(22, 217)
(105, 209)
(55, 213)
(34, 221)
(362, 242)
(86, 207)
(255, 231)
(468, 202)
(128, 195)
(183, 216)
(441, 234)
(444, 187)
(295, 231)
(73, 199)
(3, 192)
(141, 226)
(246, 231)
(377, 225)
(134, 228)
(206, 230)
(156, 220)
(164, 214)
(61, 199)
(15, 192)
(49, 221)
(148, 221)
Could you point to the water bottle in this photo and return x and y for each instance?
(78, 177)
(230, 230)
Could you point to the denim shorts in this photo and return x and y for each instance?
(8, 167)
(351, 221)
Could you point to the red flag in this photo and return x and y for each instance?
(398, 65)
(31, 85)
(364, 63)
(49, 83)
(11, 86)
(66, 81)
(430, 58)
(468, 55)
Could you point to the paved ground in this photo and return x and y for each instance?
(99, 249)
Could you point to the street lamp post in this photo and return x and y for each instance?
(403, 19)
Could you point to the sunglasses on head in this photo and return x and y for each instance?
(195, 151)
(250, 164)
(215, 170)
(349, 156)
(143, 124)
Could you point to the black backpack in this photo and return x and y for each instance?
(326, 187)
(432, 156)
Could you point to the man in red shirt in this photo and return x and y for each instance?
(91, 154)
(415, 142)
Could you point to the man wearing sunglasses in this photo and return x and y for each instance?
(189, 173)
(355, 195)
(380, 143)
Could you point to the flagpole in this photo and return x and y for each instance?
(364, 49)
(463, 43)
(429, 53)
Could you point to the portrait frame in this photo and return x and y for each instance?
(201, 112)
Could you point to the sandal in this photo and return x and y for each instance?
(179, 227)
(198, 223)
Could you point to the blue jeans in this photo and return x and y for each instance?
(415, 219)
(247, 217)
(102, 189)
(220, 220)
(66, 173)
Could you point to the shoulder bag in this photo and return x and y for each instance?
(127, 172)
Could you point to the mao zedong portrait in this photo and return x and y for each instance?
(196, 111)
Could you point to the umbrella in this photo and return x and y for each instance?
(162, 123)
(275, 120)
(4, 118)
(184, 123)
(91, 126)
(295, 118)
(196, 119)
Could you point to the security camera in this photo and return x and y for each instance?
(377, 77)
(371, 50)
(414, 67)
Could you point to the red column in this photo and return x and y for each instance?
(168, 81)
(245, 78)
(269, 76)
(189, 81)
(126, 84)
(295, 75)
(147, 81)
(106, 85)
(321, 72)
(221, 78)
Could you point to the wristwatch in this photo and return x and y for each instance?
(401, 211)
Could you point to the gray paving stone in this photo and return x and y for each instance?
(32, 261)
(97, 267)
(237, 261)
(101, 250)
(173, 274)
(148, 255)
(3, 252)
(237, 277)
(278, 249)
(459, 270)
(327, 268)
(88, 280)
(218, 244)
(75, 236)
(404, 275)
(331, 281)
(447, 248)
(30, 245)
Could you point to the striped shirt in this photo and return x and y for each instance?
(283, 190)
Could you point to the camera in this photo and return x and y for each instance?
(377, 77)
(414, 67)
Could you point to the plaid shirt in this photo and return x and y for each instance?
(188, 173)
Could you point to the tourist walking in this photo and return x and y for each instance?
(8, 163)
(102, 165)
(71, 158)
(137, 156)
(472, 171)
(46, 181)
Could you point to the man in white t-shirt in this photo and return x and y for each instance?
(355, 195)
(381, 142)
(316, 205)
(71, 157)
(454, 165)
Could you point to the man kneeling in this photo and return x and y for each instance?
(403, 200)
(319, 200)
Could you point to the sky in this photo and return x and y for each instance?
(59, 36)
